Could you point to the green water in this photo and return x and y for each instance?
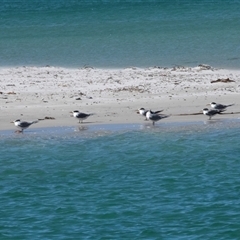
(116, 34)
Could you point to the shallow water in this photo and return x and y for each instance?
(121, 182)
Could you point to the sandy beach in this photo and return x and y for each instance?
(49, 94)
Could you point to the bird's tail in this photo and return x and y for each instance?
(34, 122)
(165, 116)
(230, 105)
(221, 111)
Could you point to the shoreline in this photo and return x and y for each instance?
(88, 130)
(114, 95)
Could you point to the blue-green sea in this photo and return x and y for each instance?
(120, 33)
(170, 181)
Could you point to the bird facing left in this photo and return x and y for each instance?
(154, 117)
(81, 116)
(23, 124)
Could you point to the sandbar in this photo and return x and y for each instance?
(50, 93)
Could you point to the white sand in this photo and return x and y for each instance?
(114, 95)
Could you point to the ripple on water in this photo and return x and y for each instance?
(133, 182)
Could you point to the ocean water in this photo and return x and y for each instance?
(126, 182)
(120, 33)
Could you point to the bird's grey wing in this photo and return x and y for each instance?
(155, 117)
(82, 115)
(221, 106)
(213, 111)
(25, 124)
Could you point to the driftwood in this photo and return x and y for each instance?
(46, 118)
(52, 118)
(226, 80)
(189, 114)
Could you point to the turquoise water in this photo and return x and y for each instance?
(121, 182)
(137, 182)
(113, 33)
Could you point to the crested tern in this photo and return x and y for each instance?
(219, 106)
(211, 112)
(143, 112)
(154, 117)
(81, 116)
(23, 124)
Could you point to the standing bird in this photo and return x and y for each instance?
(23, 124)
(154, 117)
(219, 106)
(81, 116)
(143, 112)
(211, 112)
